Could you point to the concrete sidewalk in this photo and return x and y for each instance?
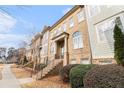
(8, 78)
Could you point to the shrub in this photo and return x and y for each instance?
(40, 66)
(25, 60)
(105, 76)
(119, 45)
(64, 72)
(30, 65)
(77, 73)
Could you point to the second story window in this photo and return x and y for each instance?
(64, 27)
(71, 22)
(59, 30)
(55, 32)
(105, 31)
(80, 16)
(77, 40)
(52, 48)
(51, 34)
(93, 10)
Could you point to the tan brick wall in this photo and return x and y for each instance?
(83, 52)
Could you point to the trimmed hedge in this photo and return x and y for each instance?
(77, 73)
(64, 72)
(105, 76)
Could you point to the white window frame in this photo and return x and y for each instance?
(96, 12)
(55, 32)
(73, 61)
(52, 48)
(81, 61)
(77, 40)
(107, 22)
(64, 27)
(71, 22)
(59, 31)
(81, 15)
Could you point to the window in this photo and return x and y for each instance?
(73, 61)
(105, 31)
(93, 10)
(59, 30)
(71, 22)
(52, 50)
(51, 34)
(85, 61)
(80, 16)
(55, 32)
(77, 40)
(64, 27)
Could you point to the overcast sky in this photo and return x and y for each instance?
(18, 22)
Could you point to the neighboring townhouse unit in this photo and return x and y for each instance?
(44, 45)
(28, 54)
(69, 39)
(35, 48)
(101, 21)
(21, 54)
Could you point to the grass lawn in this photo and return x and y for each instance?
(48, 82)
(20, 72)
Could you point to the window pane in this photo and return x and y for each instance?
(77, 40)
(71, 22)
(80, 16)
(73, 61)
(64, 27)
(85, 61)
(93, 10)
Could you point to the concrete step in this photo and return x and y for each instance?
(49, 68)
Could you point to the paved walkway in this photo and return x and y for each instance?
(8, 78)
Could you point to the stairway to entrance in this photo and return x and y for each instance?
(51, 66)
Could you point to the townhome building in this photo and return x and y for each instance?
(101, 21)
(66, 42)
(84, 35)
(69, 39)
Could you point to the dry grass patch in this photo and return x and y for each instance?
(49, 82)
(1, 67)
(20, 72)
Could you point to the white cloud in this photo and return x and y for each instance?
(6, 22)
(66, 10)
(8, 40)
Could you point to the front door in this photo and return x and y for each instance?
(62, 51)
